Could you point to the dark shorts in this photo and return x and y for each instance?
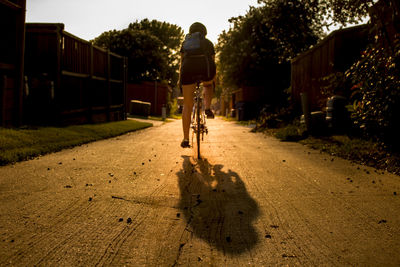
(198, 68)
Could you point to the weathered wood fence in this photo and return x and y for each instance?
(337, 52)
(12, 21)
(70, 80)
(154, 92)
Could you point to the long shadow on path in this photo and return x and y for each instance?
(217, 206)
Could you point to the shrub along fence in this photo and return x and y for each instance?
(69, 80)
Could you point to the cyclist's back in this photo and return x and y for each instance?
(197, 59)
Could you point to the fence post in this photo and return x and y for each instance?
(155, 97)
(3, 87)
(306, 110)
(20, 40)
(125, 80)
(90, 86)
(164, 112)
(108, 86)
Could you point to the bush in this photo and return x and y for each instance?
(376, 93)
(270, 118)
(292, 132)
(173, 107)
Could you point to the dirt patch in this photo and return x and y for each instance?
(360, 151)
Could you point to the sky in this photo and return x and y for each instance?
(88, 19)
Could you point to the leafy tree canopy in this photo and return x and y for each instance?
(151, 47)
(342, 12)
(258, 47)
(345, 11)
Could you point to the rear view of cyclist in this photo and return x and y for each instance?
(197, 62)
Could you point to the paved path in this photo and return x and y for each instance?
(141, 200)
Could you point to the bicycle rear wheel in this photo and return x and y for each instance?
(198, 128)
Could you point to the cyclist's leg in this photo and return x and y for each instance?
(208, 93)
(188, 91)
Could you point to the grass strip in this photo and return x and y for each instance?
(22, 144)
(154, 118)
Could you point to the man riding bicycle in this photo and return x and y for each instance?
(197, 65)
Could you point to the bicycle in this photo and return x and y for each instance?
(198, 122)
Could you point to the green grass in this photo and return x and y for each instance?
(153, 118)
(247, 123)
(176, 116)
(227, 118)
(23, 144)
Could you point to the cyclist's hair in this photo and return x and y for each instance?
(198, 27)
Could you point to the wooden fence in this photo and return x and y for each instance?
(12, 21)
(70, 80)
(153, 92)
(337, 52)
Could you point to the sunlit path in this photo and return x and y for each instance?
(140, 199)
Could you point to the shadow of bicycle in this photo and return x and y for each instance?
(217, 206)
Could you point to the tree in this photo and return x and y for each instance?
(342, 12)
(258, 48)
(171, 36)
(345, 11)
(151, 47)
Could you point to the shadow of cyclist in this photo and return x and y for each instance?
(216, 206)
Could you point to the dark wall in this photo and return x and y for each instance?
(155, 93)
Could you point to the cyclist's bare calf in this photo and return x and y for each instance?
(208, 93)
(188, 91)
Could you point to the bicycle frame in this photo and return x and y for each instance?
(198, 123)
